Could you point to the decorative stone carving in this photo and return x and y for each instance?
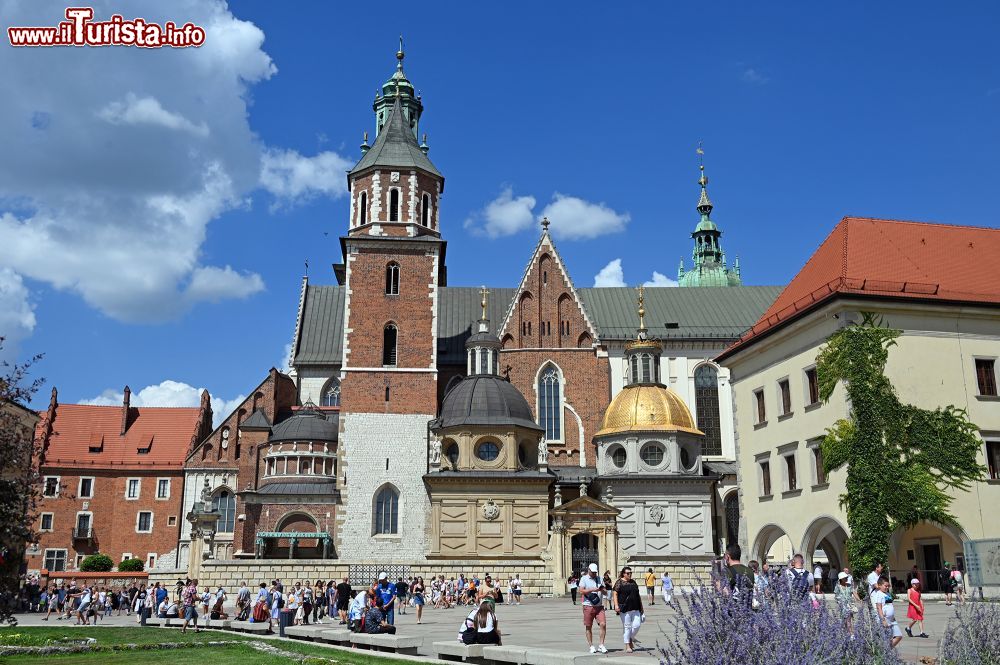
(543, 454)
(491, 510)
(394, 176)
(557, 501)
(656, 513)
(435, 451)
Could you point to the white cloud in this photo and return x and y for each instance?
(17, 315)
(503, 216)
(754, 77)
(293, 178)
(610, 275)
(660, 279)
(148, 111)
(576, 219)
(108, 182)
(169, 393)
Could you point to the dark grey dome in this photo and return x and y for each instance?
(485, 399)
(308, 424)
(483, 339)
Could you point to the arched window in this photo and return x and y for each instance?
(635, 369)
(389, 345)
(706, 396)
(732, 507)
(394, 205)
(387, 510)
(363, 211)
(331, 393)
(425, 210)
(550, 403)
(392, 279)
(224, 503)
(484, 361)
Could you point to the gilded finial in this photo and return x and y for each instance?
(545, 224)
(364, 144)
(400, 55)
(642, 314)
(704, 203)
(483, 292)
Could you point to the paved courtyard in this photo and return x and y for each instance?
(557, 624)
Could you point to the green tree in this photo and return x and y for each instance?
(902, 461)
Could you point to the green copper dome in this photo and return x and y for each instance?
(710, 267)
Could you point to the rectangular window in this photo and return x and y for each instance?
(83, 525)
(150, 561)
(791, 482)
(812, 384)
(758, 396)
(172, 520)
(46, 524)
(55, 560)
(144, 522)
(786, 397)
(51, 488)
(818, 461)
(765, 479)
(86, 489)
(986, 376)
(126, 555)
(993, 459)
(132, 488)
(163, 488)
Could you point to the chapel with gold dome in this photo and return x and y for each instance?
(649, 463)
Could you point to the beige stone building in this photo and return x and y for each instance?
(940, 286)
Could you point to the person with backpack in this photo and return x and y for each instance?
(740, 578)
(592, 588)
(800, 580)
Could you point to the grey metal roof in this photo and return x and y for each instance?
(570, 473)
(485, 399)
(321, 338)
(722, 468)
(307, 425)
(707, 312)
(396, 146)
(459, 310)
(256, 421)
(323, 488)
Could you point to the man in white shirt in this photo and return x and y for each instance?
(818, 578)
(882, 603)
(515, 586)
(667, 588)
(592, 588)
(873, 577)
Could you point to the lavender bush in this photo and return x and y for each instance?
(972, 636)
(715, 628)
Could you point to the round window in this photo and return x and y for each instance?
(488, 451)
(618, 457)
(652, 454)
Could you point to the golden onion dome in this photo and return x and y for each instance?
(647, 408)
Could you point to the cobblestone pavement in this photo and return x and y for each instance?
(556, 624)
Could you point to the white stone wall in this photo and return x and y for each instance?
(367, 441)
(312, 379)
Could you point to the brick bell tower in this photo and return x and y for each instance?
(393, 267)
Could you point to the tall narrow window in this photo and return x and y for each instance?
(818, 461)
(393, 205)
(392, 279)
(484, 361)
(786, 397)
(765, 479)
(647, 365)
(706, 397)
(993, 459)
(331, 394)
(389, 346)
(224, 503)
(425, 210)
(363, 212)
(758, 396)
(986, 376)
(387, 511)
(812, 382)
(732, 508)
(550, 403)
(791, 481)
(635, 369)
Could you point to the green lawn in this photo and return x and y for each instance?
(224, 655)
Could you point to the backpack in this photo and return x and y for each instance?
(800, 581)
(281, 602)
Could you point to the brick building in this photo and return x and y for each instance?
(112, 479)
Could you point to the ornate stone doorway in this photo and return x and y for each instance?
(585, 551)
(584, 531)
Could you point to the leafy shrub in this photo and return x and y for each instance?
(97, 563)
(712, 627)
(132, 565)
(972, 636)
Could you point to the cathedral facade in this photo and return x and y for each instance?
(460, 429)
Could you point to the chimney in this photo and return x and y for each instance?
(125, 407)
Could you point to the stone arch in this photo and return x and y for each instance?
(768, 535)
(828, 534)
(585, 341)
(507, 342)
(386, 509)
(450, 453)
(297, 520)
(731, 515)
(525, 311)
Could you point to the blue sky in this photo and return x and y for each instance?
(157, 207)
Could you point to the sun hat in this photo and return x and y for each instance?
(593, 568)
(382, 576)
(842, 576)
(914, 581)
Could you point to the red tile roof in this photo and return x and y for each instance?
(165, 431)
(890, 259)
